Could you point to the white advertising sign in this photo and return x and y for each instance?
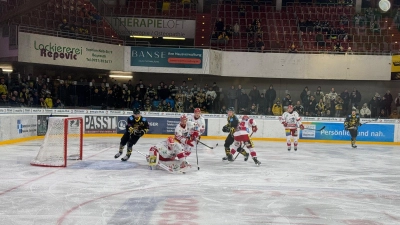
(35, 48)
(155, 27)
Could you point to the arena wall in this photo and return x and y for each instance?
(34, 48)
(26, 124)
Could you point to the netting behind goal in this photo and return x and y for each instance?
(63, 141)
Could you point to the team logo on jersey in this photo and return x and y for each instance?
(121, 124)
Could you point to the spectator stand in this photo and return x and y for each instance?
(279, 30)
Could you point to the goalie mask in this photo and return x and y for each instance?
(170, 143)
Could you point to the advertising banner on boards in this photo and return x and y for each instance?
(158, 125)
(336, 131)
(42, 123)
(100, 124)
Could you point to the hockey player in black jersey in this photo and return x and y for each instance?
(351, 124)
(230, 127)
(135, 128)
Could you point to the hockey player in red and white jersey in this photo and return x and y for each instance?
(168, 155)
(291, 121)
(198, 120)
(187, 134)
(242, 137)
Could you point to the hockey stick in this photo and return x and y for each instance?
(197, 158)
(242, 149)
(207, 145)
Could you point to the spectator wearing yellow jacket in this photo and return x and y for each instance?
(3, 87)
(277, 108)
(49, 102)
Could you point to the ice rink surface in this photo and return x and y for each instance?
(318, 184)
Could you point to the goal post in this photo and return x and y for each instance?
(63, 141)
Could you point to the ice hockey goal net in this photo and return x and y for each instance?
(63, 141)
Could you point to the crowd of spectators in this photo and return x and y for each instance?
(314, 104)
(41, 91)
(44, 92)
(79, 27)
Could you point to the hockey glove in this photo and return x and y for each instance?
(131, 130)
(139, 133)
(189, 142)
(195, 135)
(360, 124)
(301, 127)
(254, 129)
(284, 124)
(226, 129)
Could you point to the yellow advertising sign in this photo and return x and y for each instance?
(395, 63)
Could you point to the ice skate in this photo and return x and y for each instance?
(125, 158)
(289, 148)
(118, 155)
(295, 148)
(225, 158)
(256, 161)
(353, 145)
(246, 157)
(230, 157)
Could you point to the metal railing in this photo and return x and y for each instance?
(65, 34)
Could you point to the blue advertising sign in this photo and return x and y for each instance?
(336, 131)
(167, 57)
(158, 125)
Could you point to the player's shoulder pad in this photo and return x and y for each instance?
(144, 119)
(131, 117)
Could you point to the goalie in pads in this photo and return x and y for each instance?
(168, 155)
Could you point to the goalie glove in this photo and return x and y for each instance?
(131, 130)
(254, 129)
(226, 129)
(139, 133)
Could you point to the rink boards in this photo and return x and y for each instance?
(26, 124)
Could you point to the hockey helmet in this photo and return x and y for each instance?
(290, 108)
(183, 119)
(136, 111)
(170, 142)
(354, 109)
(231, 109)
(245, 117)
(197, 112)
